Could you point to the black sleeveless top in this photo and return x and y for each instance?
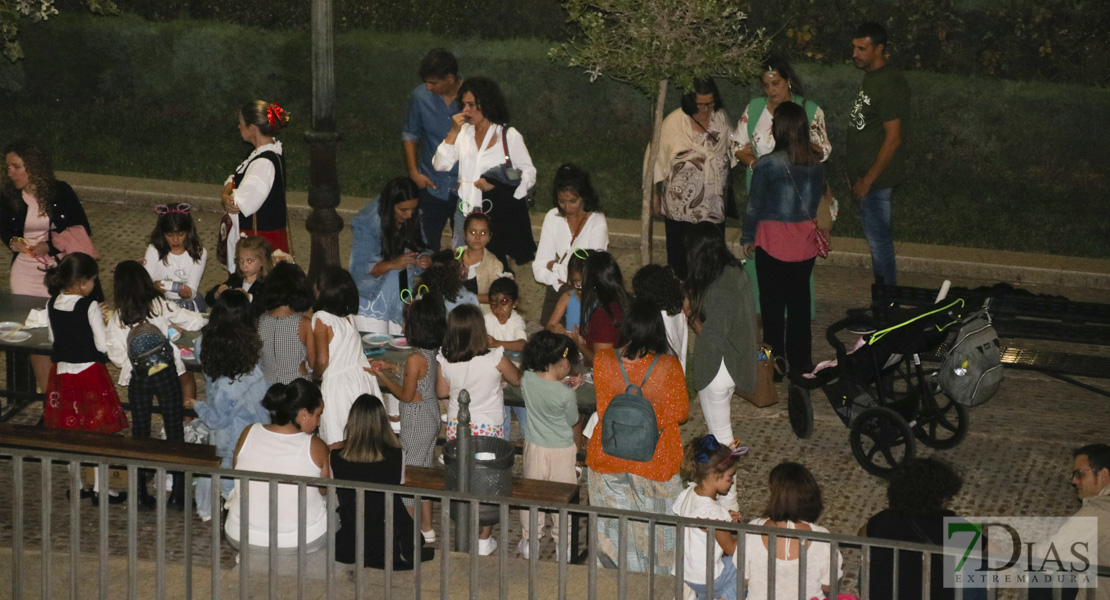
(387, 471)
(73, 327)
(272, 215)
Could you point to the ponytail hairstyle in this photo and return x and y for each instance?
(368, 432)
(269, 118)
(230, 344)
(74, 268)
(705, 455)
(284, 401)
(174, 219)
(135, 293)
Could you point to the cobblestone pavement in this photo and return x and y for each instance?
(1015, 460)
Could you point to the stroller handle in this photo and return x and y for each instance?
(843, 324)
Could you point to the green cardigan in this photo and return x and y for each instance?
(729, 332)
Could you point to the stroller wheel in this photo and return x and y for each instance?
(881, 440)
(800, 410)
(942, 422)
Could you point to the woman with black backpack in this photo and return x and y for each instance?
(615, 481)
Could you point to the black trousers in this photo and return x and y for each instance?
(784, 298)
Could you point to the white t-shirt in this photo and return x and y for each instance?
(481, 378)
(786, 570)
(678, 335)
(166, 313)
(177, 267)
(557, 243)
(511, 331)
(690, 504)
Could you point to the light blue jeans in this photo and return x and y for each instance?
(874, 215)
(724, 586)
(521, 419)
(202, 495)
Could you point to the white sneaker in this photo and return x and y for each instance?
(523, 548)
(487, 546)
(429, 536)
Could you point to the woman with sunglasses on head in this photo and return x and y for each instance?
(576, 222)
(482, 144)
(387, 254)
(691, 168)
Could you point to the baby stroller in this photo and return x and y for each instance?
(881, 390)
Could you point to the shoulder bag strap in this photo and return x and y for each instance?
(505, 145)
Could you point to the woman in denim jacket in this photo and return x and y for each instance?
(779, 229)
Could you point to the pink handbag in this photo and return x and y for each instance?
(74, 239)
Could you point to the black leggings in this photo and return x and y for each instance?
(784, 298)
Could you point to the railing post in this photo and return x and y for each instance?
(463, 456)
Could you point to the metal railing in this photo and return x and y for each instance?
(22, 465)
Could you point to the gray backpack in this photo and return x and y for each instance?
(629, 429)
(972, 370)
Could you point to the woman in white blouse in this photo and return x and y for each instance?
(480, 141)
(256, 190)
(575, 223)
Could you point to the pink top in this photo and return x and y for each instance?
(788, 242)
(26, 274)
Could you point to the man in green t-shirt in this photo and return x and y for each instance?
(876, 161)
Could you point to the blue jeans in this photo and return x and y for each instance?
(724, 586)
(202, 495)
(435, 213)
(874, 215)
(521, 419)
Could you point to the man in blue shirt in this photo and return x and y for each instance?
(431, 107)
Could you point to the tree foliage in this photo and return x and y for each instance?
(12, 12)
(643, 42)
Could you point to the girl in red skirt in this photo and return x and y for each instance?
(79, 393)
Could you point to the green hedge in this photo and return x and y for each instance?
(994, 163)
(1054, 40)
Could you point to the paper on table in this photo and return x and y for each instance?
(36, 318)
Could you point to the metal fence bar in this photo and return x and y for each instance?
(533, 551)
(622, 555)
(926, 573)
(217, 517)
(565, 556)
(74, 525)
(741, 566)
(652, 558)
(445, 521)
(680, 562)
(187, 479)
(329, 571)
(803, 554)
(473, 507)
(244, 537)
(160, 535)
(389, 546)
(865, 573)
(17, 527)
(302, 538)
(102, 473)
(360, 537)
(46, 490)
(772, 554)
(417, 543)
(592, 553)
(132, 527)
(710, 560)
(834, 567)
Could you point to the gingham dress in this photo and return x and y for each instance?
(420, 420)
(282, 350)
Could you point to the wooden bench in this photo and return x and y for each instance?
(99, 444)
(435, 478)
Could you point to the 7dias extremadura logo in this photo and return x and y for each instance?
(1021, 552)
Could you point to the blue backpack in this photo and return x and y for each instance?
(629, 429)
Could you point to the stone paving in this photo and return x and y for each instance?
(1015, 460)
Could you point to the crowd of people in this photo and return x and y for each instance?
(289, 389)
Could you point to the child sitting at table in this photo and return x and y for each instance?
(568, 310)
(466, 362)
(549, 448)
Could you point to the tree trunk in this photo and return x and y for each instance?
(324, 223)
(649, 175)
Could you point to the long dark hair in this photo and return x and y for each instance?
(230, 345)
(396, 241)
(602, 285)
(642, 330)
(570, 177)
(174, 220)
(40, 171)
(791, 131)
(135, 293)
(73, 268)
(707, 255)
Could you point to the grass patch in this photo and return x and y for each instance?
(993, 163)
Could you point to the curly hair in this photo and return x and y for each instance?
(40, 171)
(488, 98)
(720, 460)
(444, 276)
(545, 348)
(657, 284)
(922, 487)
(230, 346)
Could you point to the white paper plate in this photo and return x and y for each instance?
(400, 343)
(376, 339)
(16, 336)
(7, 326)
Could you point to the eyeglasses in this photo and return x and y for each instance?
(1078, 473)
(702, 105)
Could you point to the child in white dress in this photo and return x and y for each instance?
(339, 356)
